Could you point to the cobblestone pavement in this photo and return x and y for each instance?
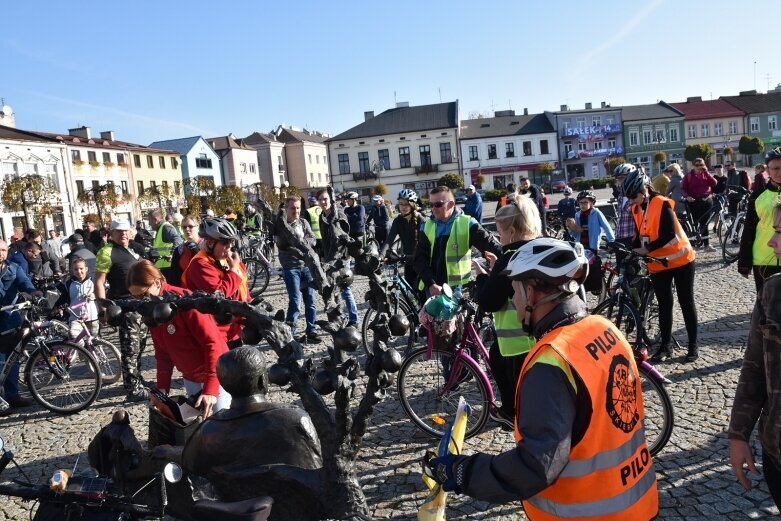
(695, 480)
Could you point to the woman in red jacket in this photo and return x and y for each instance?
(190, 341)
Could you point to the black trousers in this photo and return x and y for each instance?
(699, 207)
(772, 473)
(506, 370)
(684, 286)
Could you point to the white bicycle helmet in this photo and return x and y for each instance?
(568, 191)
(351, 195)
(409, 195)
(217, 228)
(376, 198)
(624, 169)
(634, 182)
(557, 263)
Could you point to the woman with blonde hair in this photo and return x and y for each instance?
(183, 254)
(518, 222)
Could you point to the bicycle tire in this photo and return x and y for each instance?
(396, 305)
(76, 386)
(723, 228)
(419, 381)
(731, 246)
(258, 276)
(659, 412)
(109, 360)
(649, 314)
(626, 318)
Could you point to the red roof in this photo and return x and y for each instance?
(710, 109)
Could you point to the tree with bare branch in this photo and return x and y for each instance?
(30, 194)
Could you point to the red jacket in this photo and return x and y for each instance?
(204, 274)
(192, 343)
(698, 184)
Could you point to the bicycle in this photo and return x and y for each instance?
(61, 376)
(257, 254)
(730, 245)
(402, 300)
(694, 229)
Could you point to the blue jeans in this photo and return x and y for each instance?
(349, 300)
(299, 281)
(11, 387)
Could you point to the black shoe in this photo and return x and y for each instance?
(693, 353)
(17, 402)
(312, 338)
(503, 419)
(662, 355)
(138, 395)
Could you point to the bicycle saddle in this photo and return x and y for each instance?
(255, 509)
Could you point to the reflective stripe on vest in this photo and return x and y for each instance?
(509, 332)
(314, 221)
(678, 251)
(162, 247)
(458, 254)
(609, 475)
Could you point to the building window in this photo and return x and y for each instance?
(633, 136)
(140, 185)
(317, 159)
(582, 147)
(205, 162)
(344, 164)
(92, 156)
(567, 149)
(174, 163)
(754, 124)
(95, 185)
(772, 122)
(580, 122)
(161, 160)
(445, 153)
(120, 159)
(674, 134)
(177, 187)
(75, 155)
(659, 136)
(243, 168)
(705, 130)
(596, 121)
(509, 150)
(124, 187)
(717, 129)
(733, 127)
(611, 143)
(647, 137)
(150, 161)
(106, 157)
(425, 155)
(473, 155)
(692, 131)
(363, 162)
(491, 151)
(544, 147)
(152, 184)
(280, 164)
(384, 157)
(404, 160)
(252, 168)
(598, 145)
(165, 185)
(80, 187)
(609, 120)
(30, 169)
(527, 148)
(137, 160)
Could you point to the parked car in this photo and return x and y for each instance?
(558, 186)
(460, 196)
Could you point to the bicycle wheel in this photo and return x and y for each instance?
(109, 360)
(58, 329)
(396, 305)
(731, 246)
(63, 377)
(724, 225)
(428, 405)
(624, 315)
(649, 312)
(659, 413)
(258, 276)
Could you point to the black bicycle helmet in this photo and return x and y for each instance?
(624, 169)
(773, 154)
(634, 182)
(217, 228)
(587, 194)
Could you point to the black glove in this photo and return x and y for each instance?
(443, 470)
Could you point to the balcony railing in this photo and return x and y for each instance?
(426, 169)
(363, 176)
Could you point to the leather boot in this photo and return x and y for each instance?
(693, 353)
(664, 353)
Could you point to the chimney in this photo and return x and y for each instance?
(588, 106)
(369, 114)
(503, 113)
(82, 132)
(748, 93)
(402, 104)
(525, 112)
(604, 104)
(107, 134)
(693, 98)
(564, 108)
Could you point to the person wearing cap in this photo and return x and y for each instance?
(356, 216)
(567, 205)
(580, 450)
(166, 239)
(112, 265)
(78, 249)
(474, 204)
(379, 214)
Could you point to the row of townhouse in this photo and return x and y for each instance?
(414, 146)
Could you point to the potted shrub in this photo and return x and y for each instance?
(94, 164)
(78, 162)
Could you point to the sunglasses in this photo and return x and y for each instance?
(699, 164)
(439, 204)
(185, 227)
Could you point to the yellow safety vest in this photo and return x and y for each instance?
(509, 332)
(458, 257)
(314, 221)
(162, 247)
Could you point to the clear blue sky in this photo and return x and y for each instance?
(168, 69)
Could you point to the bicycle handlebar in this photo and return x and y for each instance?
(392, 257)
(617, 247)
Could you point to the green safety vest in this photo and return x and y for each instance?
(509, 332)
(765, 205)
(162, 247)
(458, 257)
(314, 220)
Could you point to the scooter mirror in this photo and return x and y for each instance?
(172, 472)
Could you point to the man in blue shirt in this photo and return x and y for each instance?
(12, 281)
(474, 204)
(379, 214)
(567, 207)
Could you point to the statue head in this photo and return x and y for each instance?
(242, 372)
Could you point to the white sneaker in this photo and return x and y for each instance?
(710, 248)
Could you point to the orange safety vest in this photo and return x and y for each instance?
(678, 251)
(609, 475)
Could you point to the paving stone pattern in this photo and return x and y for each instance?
(695, 479)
